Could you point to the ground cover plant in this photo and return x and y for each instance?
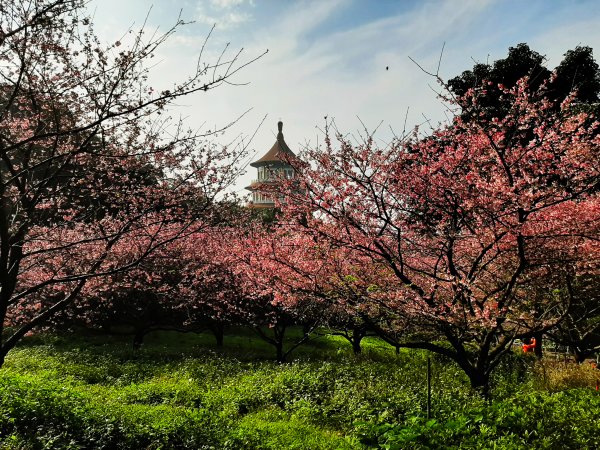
(181, 391)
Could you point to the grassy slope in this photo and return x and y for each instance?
(180, 391)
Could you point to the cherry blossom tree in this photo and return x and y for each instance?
(185, 286)
(579, 331)
(89, 159)
(136, 301)
(463, 221)
(269, 295)
(294, 278)
(210, 294)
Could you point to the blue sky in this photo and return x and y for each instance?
(329, 57)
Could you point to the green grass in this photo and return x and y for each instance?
(181, 391)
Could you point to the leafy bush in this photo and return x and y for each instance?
(97, 393)
(556, 375)
(270, 429)
(537, 420)
(54, 415)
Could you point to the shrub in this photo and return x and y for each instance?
(55, 415)
(97, 393)
(539, 420)
(556, 375)
(270, 429)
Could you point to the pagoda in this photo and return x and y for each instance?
(272, 167)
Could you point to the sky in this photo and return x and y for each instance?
(348, 60)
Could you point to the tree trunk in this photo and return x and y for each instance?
(279, 332)
(578, 355)
(480, 382)
(279, 349)
(138, 338)
(218, 331)
(357, 335)
(538, 345)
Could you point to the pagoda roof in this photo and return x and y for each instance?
(280, 152)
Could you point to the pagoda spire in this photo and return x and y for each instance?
(272, 166)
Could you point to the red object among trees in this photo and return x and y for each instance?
(529, 348)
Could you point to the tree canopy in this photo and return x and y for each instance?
(90, 161)
(577, 73)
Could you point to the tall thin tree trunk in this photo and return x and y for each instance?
(279, 351)
(279, 331)
(138, 338)
(538, 345)
(218, 331)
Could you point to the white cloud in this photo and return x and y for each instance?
(224, 21)
(226, 14)
(228, 4)
(556, 41)
(342, 74)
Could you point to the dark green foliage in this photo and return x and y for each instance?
(521, 61)
(580, 329)
(578, 71)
